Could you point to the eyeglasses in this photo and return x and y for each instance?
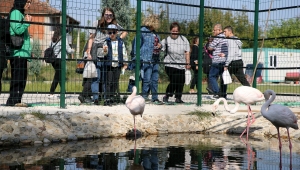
(108, 15)
(113, 32)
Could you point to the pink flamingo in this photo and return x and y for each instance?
(136, 105)
(279, 116)
(243, 94)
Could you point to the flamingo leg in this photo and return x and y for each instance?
(280, 145)
(290, 146)
(248, 124)
(134, 127)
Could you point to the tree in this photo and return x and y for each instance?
(282, 31)
(34, 67)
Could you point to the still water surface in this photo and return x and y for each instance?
(173, 152)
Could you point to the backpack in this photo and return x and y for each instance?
(49, 54)
(4, 34)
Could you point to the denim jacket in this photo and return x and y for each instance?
(147, 44)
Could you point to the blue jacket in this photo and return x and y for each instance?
(108, 57)
(147, 41)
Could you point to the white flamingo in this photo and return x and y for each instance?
(279, 116)
(243, 94)
(136, 105)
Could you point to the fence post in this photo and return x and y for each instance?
(255, 45)
(63, 54)
(138, 44)
(201, 30)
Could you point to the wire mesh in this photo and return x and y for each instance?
(277, 49)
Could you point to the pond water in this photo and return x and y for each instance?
(173, 152)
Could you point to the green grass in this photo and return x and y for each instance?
(201, 114)
(37, 114)
(74, 82)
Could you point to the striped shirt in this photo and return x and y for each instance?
(220, 46)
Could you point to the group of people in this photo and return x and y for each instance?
(106, 48)
(225, 52)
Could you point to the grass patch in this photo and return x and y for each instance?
(201, 114)
(38, 114)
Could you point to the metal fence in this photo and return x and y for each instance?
(268, 30)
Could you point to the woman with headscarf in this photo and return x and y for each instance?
(19, 61)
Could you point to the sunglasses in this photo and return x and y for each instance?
(108, 15)
(113, 32)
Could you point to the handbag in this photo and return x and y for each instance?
(17, 41)
(80, 67)
(89, 70)
(226, 77)
(188, 77)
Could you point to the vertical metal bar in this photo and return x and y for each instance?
(63, 54)
(255, 45)
(201, 30)
(138, 44)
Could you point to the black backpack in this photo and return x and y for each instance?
(49, 54)
(4, 34)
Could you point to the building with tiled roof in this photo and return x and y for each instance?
(44, 18)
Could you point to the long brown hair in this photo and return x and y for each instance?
(102, 22)
(56, 34)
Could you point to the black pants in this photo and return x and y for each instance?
(113, 76)
(176, 78)
(87, 90)
(195, 78)
(18, 80)
(56, 79)
(236, 68)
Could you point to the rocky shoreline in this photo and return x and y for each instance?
(51, 125)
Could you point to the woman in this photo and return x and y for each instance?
(177, 60)
(19, 61)
(194, 63)
(56, 39)
(98, 36)
(150, 49)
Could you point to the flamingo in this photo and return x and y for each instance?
(136, 105)
(279, 116)
(243, 94)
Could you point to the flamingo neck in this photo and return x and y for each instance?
(237, 104)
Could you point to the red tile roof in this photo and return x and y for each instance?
(37, 8)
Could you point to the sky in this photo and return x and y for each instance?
(84, 10)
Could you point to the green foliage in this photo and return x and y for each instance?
(82, 38)
(280, 30)
(34, 67)
(38, 114)
(201, 114)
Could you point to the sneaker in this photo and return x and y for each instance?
(147, 100)
(210, 91)
(156, 101)
(165, 99)
(107, 102)
(179, 101)
(52, 96)
(96, 102)
(216, 96)
(81, 99)
(88, 100)
(21, 105)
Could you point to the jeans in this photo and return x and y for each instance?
(216, 70)
(101, 74)
(150, 80)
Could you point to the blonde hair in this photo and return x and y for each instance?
(151, 21)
